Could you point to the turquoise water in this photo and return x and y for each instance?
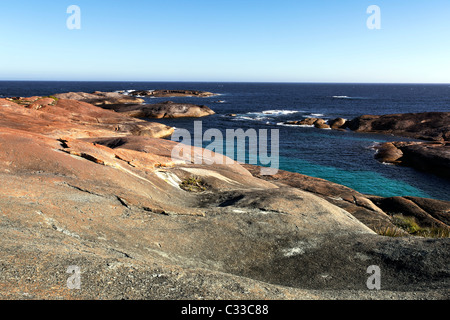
(367, 182)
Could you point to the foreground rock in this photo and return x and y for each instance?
(73, 119)
(80, 193)
(433, 126)
(171, 93)
(375, 212)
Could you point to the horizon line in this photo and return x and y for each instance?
(209, 81)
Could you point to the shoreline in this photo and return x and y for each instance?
(96, 189)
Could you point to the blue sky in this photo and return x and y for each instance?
(234, 40)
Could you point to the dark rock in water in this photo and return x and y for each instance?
(388, 153)
(321, 124)
(316, 122)
(426, 126)
(292, 122)
(308, 121)
(426, 156)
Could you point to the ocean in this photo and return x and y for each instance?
(343, 157)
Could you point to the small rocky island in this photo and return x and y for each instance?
(97, 189)
(171, 93)
(135, 107)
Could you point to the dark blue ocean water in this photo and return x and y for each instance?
(342, 157)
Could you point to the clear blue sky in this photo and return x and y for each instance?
(234, 40)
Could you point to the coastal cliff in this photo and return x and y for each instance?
(93, 188)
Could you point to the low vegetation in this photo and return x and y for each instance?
(389, 231)
(410, 225)
(406, 225)
(193, 184)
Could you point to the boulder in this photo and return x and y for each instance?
(321, 124)
(308, 121)
(337, 123)
(388, 153)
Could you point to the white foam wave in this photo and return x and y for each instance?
(341, 97)
(245, 118)
(125, 92)
(279, 112)
(351, 98)
(264, 115)
(294, 125)
(271, 113)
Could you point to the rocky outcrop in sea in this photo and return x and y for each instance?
(431, 155)
(135, 107)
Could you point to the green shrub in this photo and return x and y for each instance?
(193, 184)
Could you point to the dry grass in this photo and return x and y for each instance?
(193, 184)
(410, 225)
